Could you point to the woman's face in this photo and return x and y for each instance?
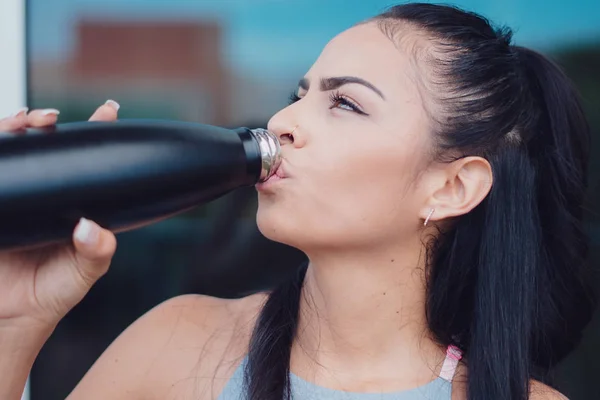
(360, 141)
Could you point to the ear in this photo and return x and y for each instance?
(458, 188)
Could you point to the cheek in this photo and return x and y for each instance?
(357, 195)
(364, 204)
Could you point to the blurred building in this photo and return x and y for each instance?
(157, 64)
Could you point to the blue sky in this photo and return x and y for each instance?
(275, 36)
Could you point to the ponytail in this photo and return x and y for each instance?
(507, 287)
(559, 144)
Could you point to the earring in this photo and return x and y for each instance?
(429, 216)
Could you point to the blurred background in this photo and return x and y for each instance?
(234, 63)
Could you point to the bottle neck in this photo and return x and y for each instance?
(270, 152)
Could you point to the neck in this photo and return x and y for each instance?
(364, 315)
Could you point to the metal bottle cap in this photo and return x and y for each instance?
(270, 152)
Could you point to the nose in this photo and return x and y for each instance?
(287, 129)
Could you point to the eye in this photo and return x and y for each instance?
(293, 98)
(342, 102)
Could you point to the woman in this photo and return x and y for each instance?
(433, 174)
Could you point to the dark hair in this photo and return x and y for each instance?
(505, 282)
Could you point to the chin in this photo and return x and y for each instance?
(284, 227)
(273, 224)
(292, 229)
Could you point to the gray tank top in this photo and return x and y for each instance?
(438, 389)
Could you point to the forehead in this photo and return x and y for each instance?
(366, 52)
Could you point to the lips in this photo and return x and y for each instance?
(278, 176)
(280, 172)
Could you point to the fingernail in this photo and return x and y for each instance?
(50, 111)
(87, 232)
(113, 104)
(21, 111)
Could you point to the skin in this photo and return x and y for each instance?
(356, 191)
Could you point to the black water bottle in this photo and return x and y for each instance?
(123, 174)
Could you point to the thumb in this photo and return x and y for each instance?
(94, 249)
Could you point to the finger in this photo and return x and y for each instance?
(95, 248)
(15, 122)
(107, 112)
(41, 118)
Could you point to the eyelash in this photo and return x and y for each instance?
(336, 99)
(293, 98)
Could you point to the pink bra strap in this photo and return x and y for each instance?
(453, 356)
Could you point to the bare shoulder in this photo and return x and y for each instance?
(187, 346)
(204, 313)
(540, 391)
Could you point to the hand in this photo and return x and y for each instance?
(39, 286)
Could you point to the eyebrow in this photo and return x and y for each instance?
(333, 83)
